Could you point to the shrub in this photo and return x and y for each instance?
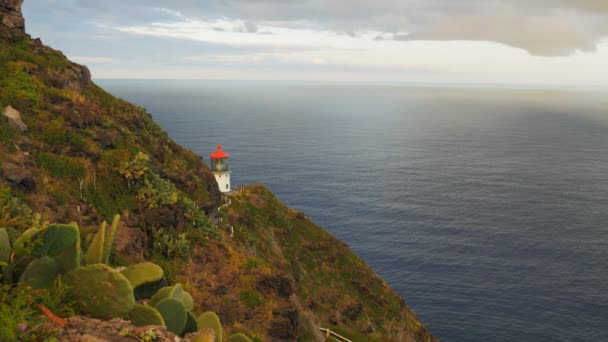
(170, 245)
(157, 192)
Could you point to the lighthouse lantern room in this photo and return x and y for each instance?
(219, 167)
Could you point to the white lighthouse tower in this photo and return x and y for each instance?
(219, 166)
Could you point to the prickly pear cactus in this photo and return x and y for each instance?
(5, 246)
(143, 315)
(187, 300)
(109, 239)
(176, 292)
(145, 278)
(191, 324)
(240, 337)
(174, 313)
(210, 320)
(101, 291)
(95, 251)
(40, 273)
(160, 295)
(61, 241)
(25, 243)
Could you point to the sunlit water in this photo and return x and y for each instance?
(486, 209)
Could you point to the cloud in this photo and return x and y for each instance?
(542, 27)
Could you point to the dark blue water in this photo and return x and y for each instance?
(486, 209)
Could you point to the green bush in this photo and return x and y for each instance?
(170, 245)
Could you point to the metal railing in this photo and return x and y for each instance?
(330, 334)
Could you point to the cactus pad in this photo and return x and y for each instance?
(145, 278)
(210, 320)
(56, 239)
(191, 325)
(240, 337)
(95, 251)
(143, 315)
(160, 295)
(5, 246)
(174, 313)
(40, 273)
(187, 300)
(109, 240)
(101, 291)
(61, 241)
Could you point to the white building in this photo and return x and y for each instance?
(219, 166)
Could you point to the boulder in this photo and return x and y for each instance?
(14, 118)
(18, 176)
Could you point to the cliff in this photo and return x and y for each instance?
(72, 152)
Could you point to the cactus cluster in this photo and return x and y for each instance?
(175, 305)
(44, 252)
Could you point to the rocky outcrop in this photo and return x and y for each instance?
(84, 329)
(12, 23)
(14, 118)
(18, 176)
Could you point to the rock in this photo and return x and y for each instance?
(84, 329)
(12, 23)
(14, 118)
(18, 176)
(167, 217)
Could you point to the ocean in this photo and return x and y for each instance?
(487, 209)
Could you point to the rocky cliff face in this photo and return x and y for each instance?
(279, 277)
(11, 20)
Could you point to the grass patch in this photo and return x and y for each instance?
(62, 167)
(251, 299)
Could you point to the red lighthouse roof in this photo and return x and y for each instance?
(219, 154)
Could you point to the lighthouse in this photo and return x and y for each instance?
(219, 166)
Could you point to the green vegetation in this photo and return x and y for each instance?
(251, 299)
(169, 244)
(20, 318)
(59, 166)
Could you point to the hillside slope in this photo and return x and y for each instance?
(77, 153)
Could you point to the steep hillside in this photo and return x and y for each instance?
(71, 152)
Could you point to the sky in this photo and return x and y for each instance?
(548, 42)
